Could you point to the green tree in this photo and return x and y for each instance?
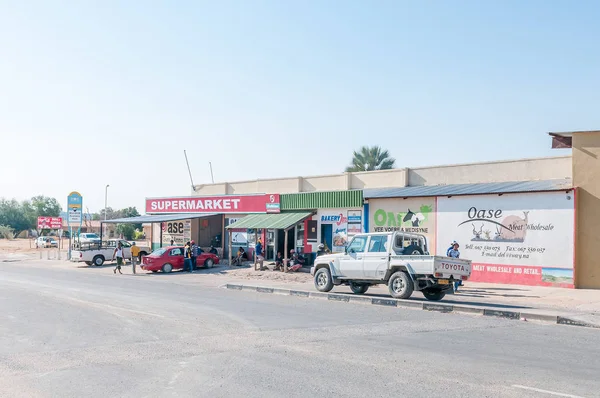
(15, 215)
(128, 230)
(45, 206)
(371, 158)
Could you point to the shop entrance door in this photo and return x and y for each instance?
(327, 235)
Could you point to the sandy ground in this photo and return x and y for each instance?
(16, 246)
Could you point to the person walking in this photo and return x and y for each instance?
(194, 255)
(187, 257)
(454, 253)
(135, 255)
(118, 253)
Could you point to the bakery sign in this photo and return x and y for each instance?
(268, 203)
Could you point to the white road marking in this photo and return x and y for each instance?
(558, 394)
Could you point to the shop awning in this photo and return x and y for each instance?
(270, 221)
(157, 218)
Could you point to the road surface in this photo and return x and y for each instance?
(75, 333)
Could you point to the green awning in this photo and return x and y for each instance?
(270, 221)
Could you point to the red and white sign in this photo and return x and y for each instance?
(49, 223)
(215, 204)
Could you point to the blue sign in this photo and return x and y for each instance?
(75, 208)
(331, 218)
(74, 200)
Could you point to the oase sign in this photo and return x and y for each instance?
(215, 204)
(525, 239)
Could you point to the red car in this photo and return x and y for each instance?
(166, 259)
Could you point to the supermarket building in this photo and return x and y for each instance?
(529, 221)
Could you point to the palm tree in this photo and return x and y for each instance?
(371, 158)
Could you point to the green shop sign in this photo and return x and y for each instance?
(409, 221)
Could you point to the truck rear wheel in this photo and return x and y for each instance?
(359, 288)
(433, 294)
(323, 281)
(98, 261)
(400, 285)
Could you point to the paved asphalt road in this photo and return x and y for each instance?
(72, 333)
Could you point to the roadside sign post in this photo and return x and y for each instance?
(75, 217)
(51, 223)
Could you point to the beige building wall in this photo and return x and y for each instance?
(586, 177)
(512, 170)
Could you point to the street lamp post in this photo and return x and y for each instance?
(105, 201)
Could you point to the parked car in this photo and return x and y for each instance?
(46, 241)
(89, 238)
(97, 254)
(398, 259)
(167, 259)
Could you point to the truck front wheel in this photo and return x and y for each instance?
(433, 294)
(400, 285)
(323, 281)
(359, 288)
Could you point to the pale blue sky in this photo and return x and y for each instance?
(111, 92)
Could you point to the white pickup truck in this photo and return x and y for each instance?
(94, 254)
(400, 260)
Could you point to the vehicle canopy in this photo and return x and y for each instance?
(401, 241)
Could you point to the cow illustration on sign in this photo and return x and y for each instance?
(414, 218)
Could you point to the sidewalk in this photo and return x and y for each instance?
(577, 304)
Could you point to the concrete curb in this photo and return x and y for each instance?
(426, 306)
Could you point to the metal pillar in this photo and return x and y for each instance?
(285, 255)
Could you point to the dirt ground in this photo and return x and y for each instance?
(250, 273)
(22, 246)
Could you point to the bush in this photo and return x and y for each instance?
(6, 232)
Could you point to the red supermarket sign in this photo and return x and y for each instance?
(49, 223)
(215, 204)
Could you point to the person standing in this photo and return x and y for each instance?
(187, 257)
(118, 253)
(194, 255)
(172, 242)
(258, 250)
(454, 253)
(135, 255)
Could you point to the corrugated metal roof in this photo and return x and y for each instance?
(270, 221)
(470, 189)
(158, 218)
(321, 200)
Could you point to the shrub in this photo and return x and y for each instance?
(6, 232)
